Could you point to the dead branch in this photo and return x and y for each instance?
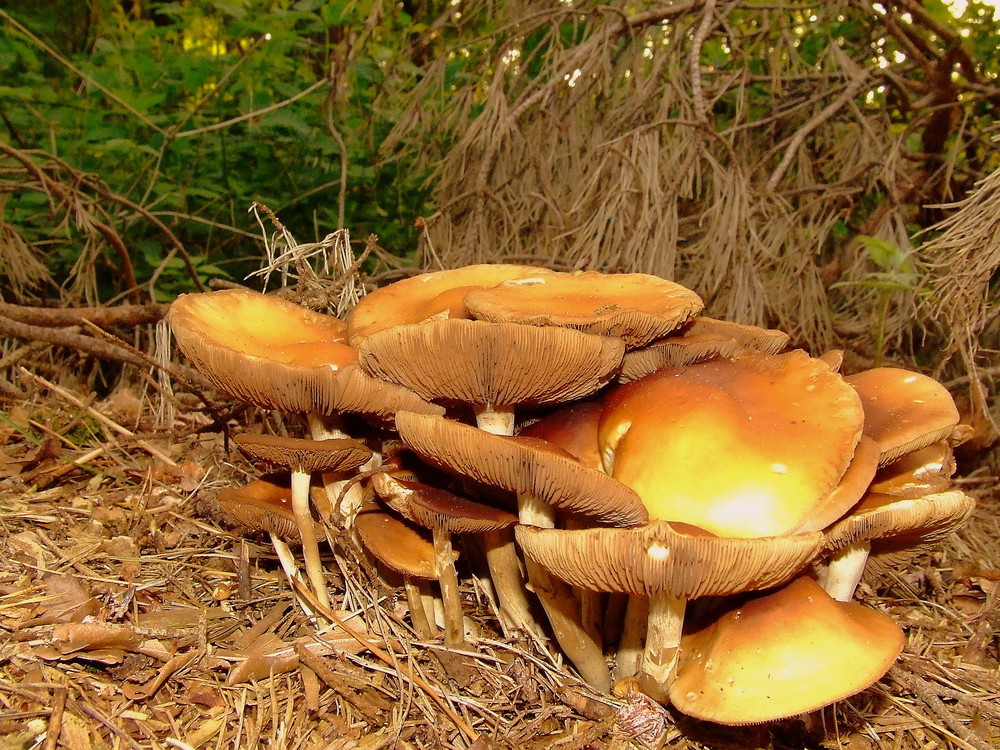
(100, 349)
(102, 418)
(853, 87)
(694, 62)
(124, 315)
(916, 684)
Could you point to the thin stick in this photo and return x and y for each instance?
(54, 728)
(409, 673)
(920, 689)
(90, 80)
(853, 86)
(106, 421)
(694, 62)
(255, 113)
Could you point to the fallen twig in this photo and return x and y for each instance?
(915, 684)
(101, 349)
(104, 420)
(128, 315)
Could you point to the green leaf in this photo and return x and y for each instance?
(880, 252)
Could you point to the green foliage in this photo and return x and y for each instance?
(143, 106)
(896, 270)
(896, 273)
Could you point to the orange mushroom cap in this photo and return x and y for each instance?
(428, 296)
(278, 355)
(743, 448)
(635, 307)
(782, 654)
(904, 410)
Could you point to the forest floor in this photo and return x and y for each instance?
(130, 617)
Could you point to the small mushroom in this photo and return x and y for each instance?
(444, 513)
(305, 458)
(904, 411)
(404, 548)
(922, 472)
(266, 505)
(635, 307)
(428, 296)
(670, 564)
(784, 653)
(892, 523)
(700, 339)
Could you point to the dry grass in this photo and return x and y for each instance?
(189, 620)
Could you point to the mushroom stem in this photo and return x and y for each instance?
(560, 605)
(454, 626)
(563, 613)
(533, 511)
(325, 427)
(496, 420)
(663, 640)
(505, 572)
(418, 615)
(845, 570)
(307, 533)
(629, 655)
(290, 569)
(329, 428)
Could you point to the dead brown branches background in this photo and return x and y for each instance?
(712, 144)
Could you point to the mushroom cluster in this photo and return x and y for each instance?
(675, 500)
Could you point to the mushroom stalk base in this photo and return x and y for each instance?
(505, 572)
(663, 640)
(845, 570)
(561, 605)
(418, 615)
(562, 610)
(329, 428)
(533, 511)
(291, 571)
(307, 533)
(454, 624)
(629, 655)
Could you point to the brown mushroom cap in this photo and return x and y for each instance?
(743, 448)
(428, 295)
(398, 545)
(834, 359)
(574, 429)
(922, 472)
(299, 454)
(700, 339)
(437, 508)
(904, 411)
(661, 557)
(635, 307)
(909, 522)
(267, 326)
(786, 653)
(496, 364)
(849, 491)
(278, 355)
(263, 505)
(522, 465)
